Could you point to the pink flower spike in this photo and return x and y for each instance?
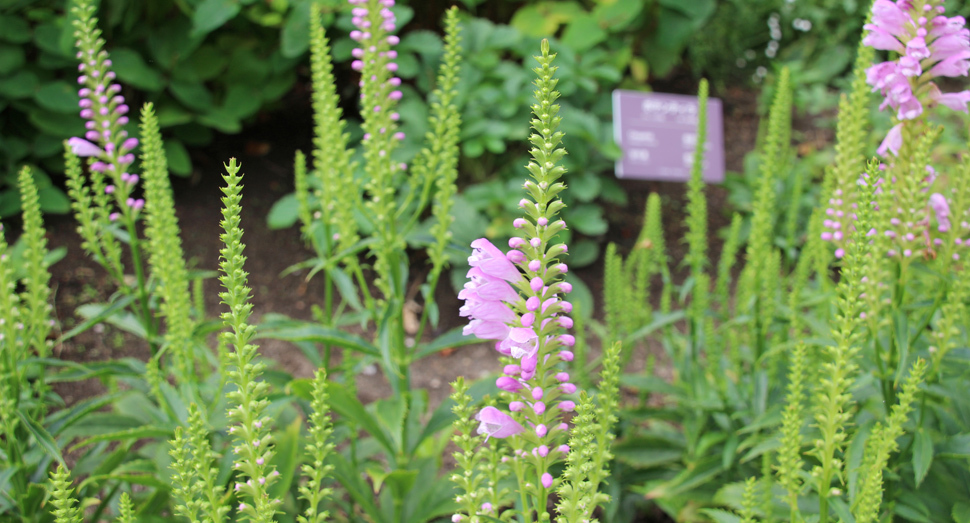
(495, 423)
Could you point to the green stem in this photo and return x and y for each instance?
(524, 499)
(327, 312)
(432, 285)
(365, 290)
(143, 299)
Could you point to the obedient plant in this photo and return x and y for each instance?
(855, 437)
(799, 396)
(26, 447)
(108, 210)
(111, 196)
(517, 298)
(371, 200)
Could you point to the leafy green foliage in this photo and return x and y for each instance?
(206, 66)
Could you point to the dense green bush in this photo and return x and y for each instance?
(206, 65)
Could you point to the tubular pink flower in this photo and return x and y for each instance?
(893, 141)
(492, 262)
(487, 287)
(521, 342)
(487, 330)
(942, 210)
(82, 147)
(508, 384)
(495, 423)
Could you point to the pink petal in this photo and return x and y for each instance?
(82, 147)
(495, 423)
(893, 141)
(486, 330)
(954, 65)
(889, 17)
(521, 342)
(956, 101)
(492, 261)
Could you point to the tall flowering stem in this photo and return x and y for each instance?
(375, 60)
(253, 443)
(833, 400)
(110, 152)
(517, 299)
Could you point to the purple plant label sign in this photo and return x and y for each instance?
(657, 133)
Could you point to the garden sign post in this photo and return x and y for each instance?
(658, 133)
